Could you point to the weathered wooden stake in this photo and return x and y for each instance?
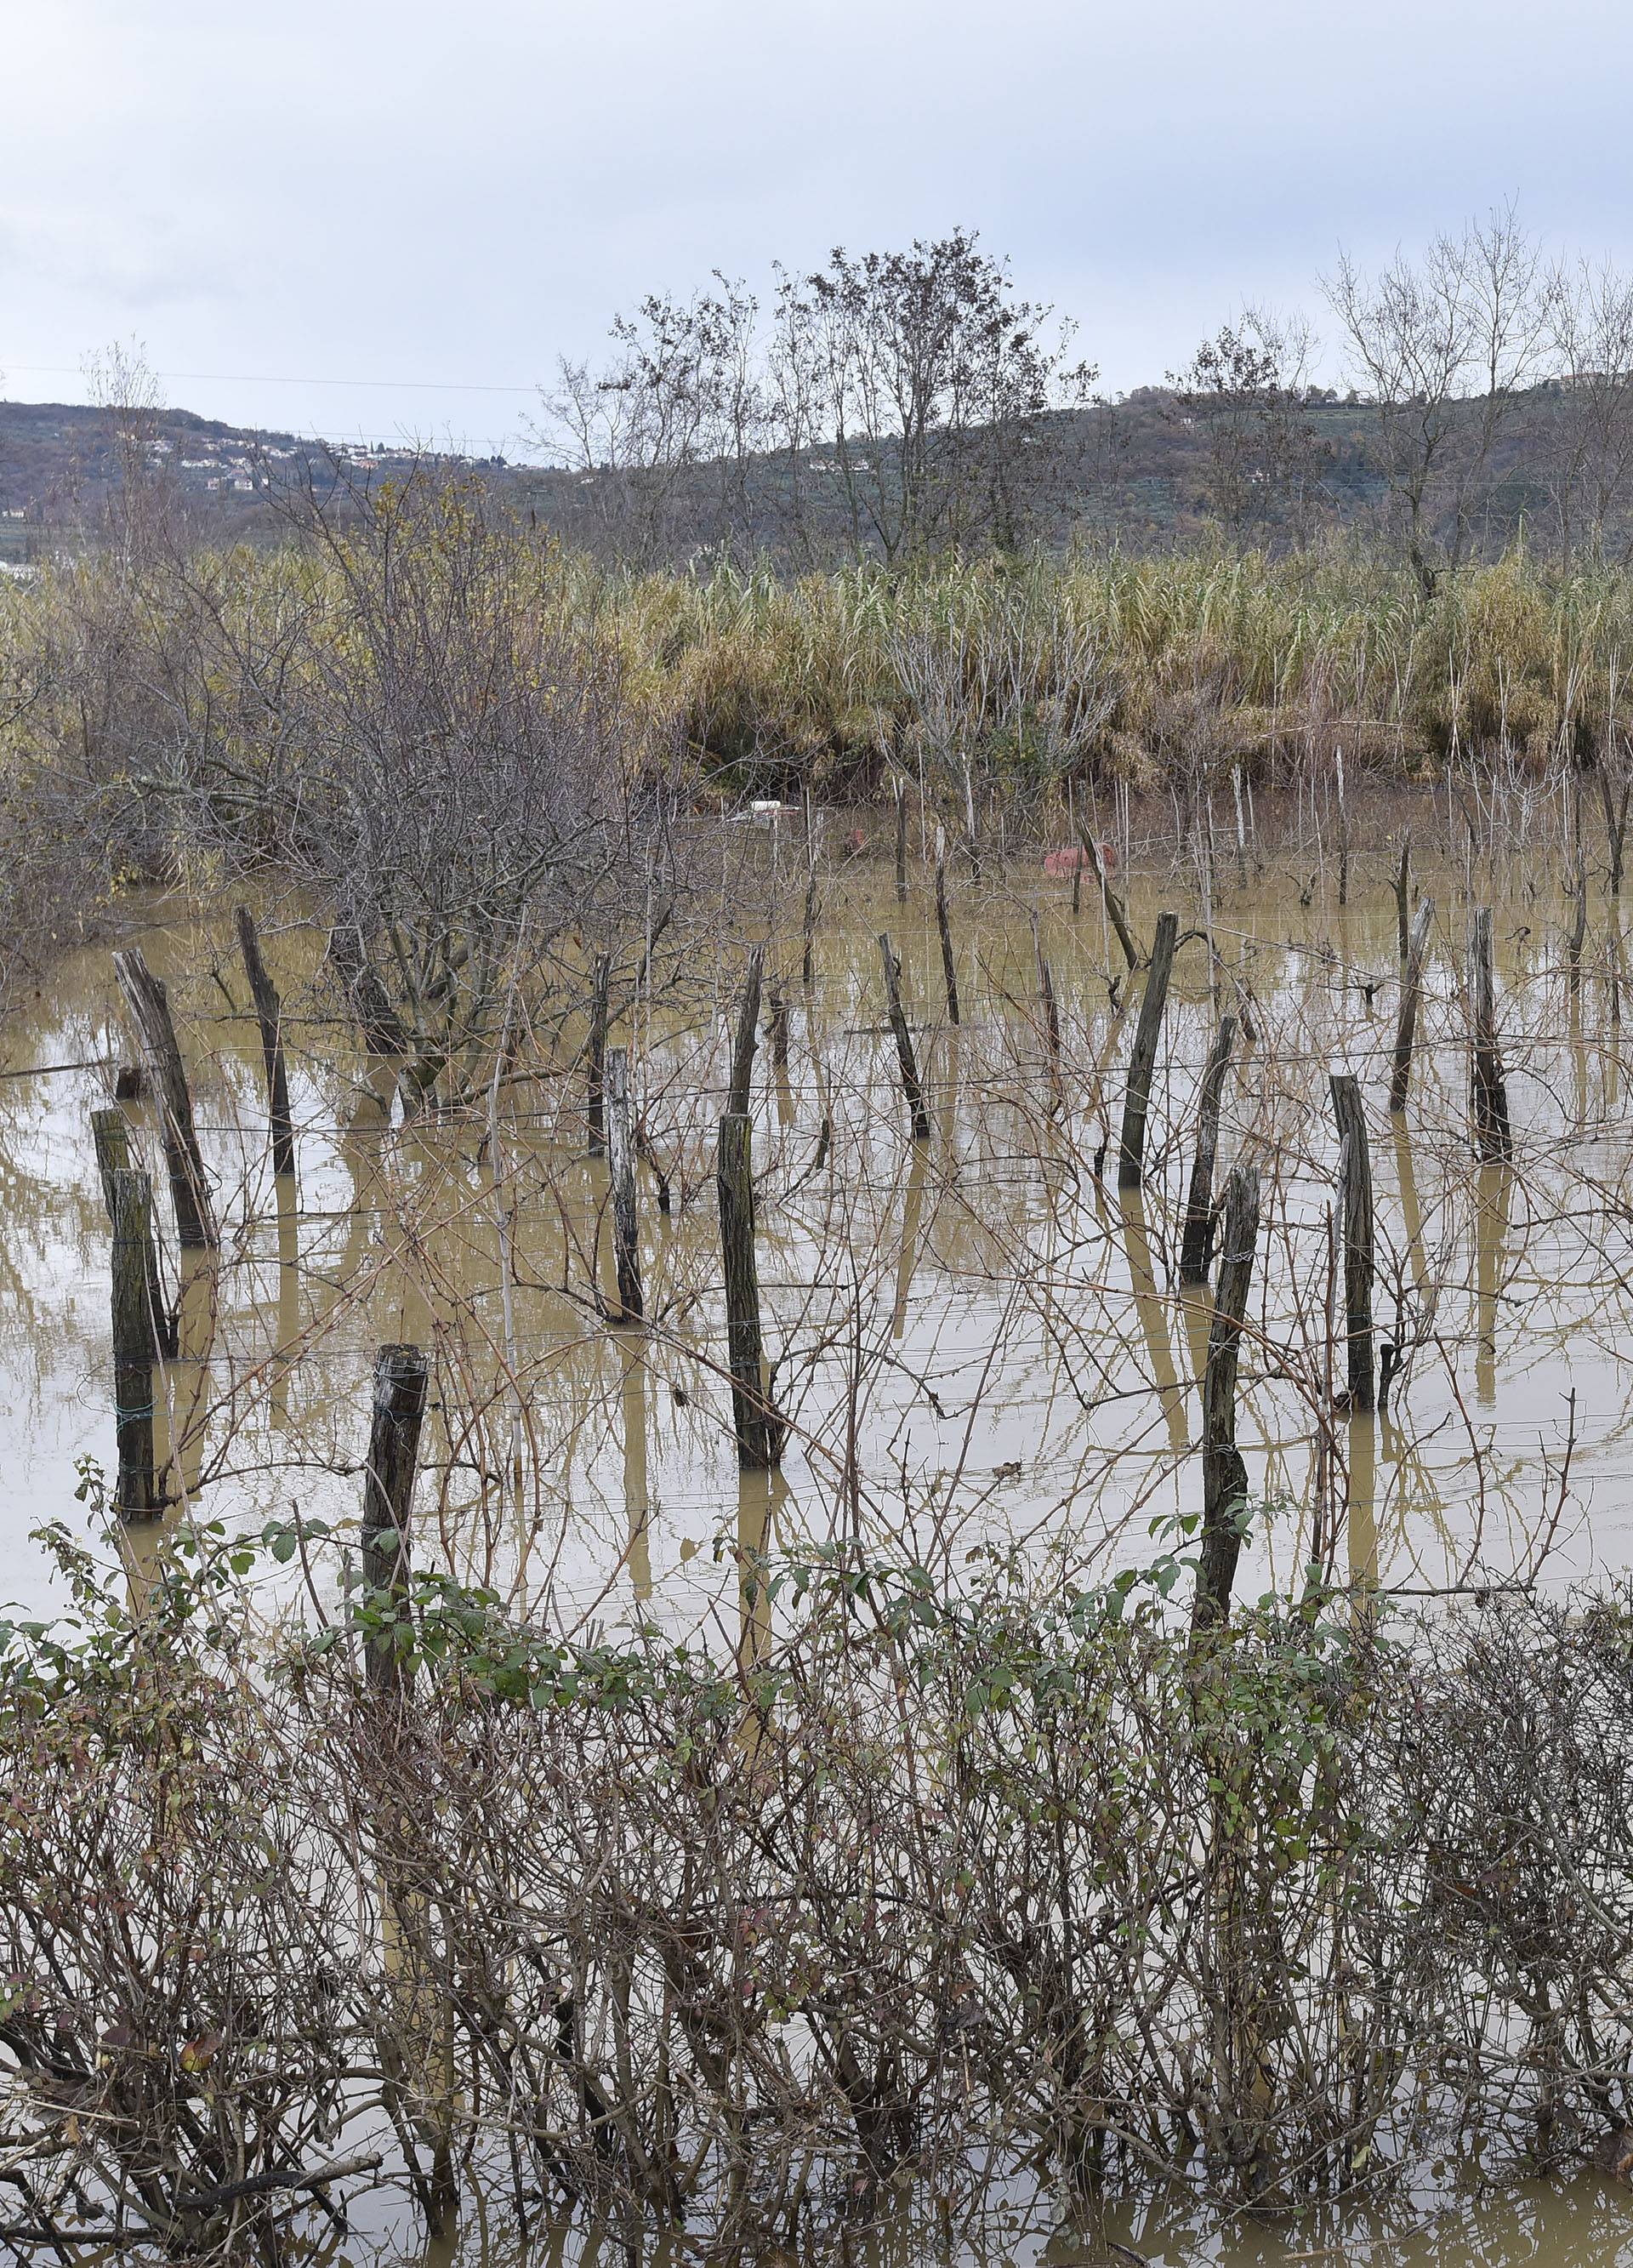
(1046, 999)
(268, 1015)
(778, 1027)
(1578, 931)
(1142, 1061)
(620, 1158)
(131, 1206)
(949, 965)
(912, 1088)
(600, 984)
(807, 962)
(111, 1136)
(759, 1428)
(1224, 1471)
(401, 1374)
(1488, 1087)
(1197, 1241)
(1354, 1214)
(743, 1043)
(1404, 898)
(1115, 910)
(1411, 993)
(150, 1009)
(901, 845)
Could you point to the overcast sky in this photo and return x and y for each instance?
(438, 197)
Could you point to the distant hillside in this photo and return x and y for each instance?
(1137, 470)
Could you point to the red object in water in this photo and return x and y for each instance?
(1076, 861)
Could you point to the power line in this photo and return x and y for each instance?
(262, 378)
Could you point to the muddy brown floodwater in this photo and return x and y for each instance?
(979, 1343)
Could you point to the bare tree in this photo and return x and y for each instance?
(1444, 346)
(930, 388)
(1246, 390)
(663, 437)
(1589, 429)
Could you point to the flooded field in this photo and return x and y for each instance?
(982, 1344)
(980, 1340)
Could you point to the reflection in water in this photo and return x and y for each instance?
(1493, 1192)
(1361, 1509)
(1149, 1307)
(287, 1345)
(637, 1507)
(912, 1210)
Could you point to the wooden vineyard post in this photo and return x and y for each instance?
(759, 1429)
(1196, 1239)
(1488, 1087)
(1143, 1062)
(778, 1027)
(808, 961)
(595, 1098)
(912, 1086)
(150, 1009)
(1411, 994)
(135, 1346)
(1354, 1212)
(1225, 1472)
(620, 1158)
(401, 1376)
(1046, 1001)
(1116, 913)
(949, 966)
(111, 1136)
(269, 1016)
(1404, 898)
(744, 1040)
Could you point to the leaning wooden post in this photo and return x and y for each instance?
(148, 1003)
(743, 1043)
(269, 1016)
(131, 1205)
(759, 1428)
(1225, 1472)
(949, 965)
(596, 1101)
(1116, 913)
(1047, 1000)
(1142, 1061)
(621, 1159)
(1488, 1087)
(912, 1088)
(1355, 1213)
(1411, 993)
(1197, 1241)
(401, 1374)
